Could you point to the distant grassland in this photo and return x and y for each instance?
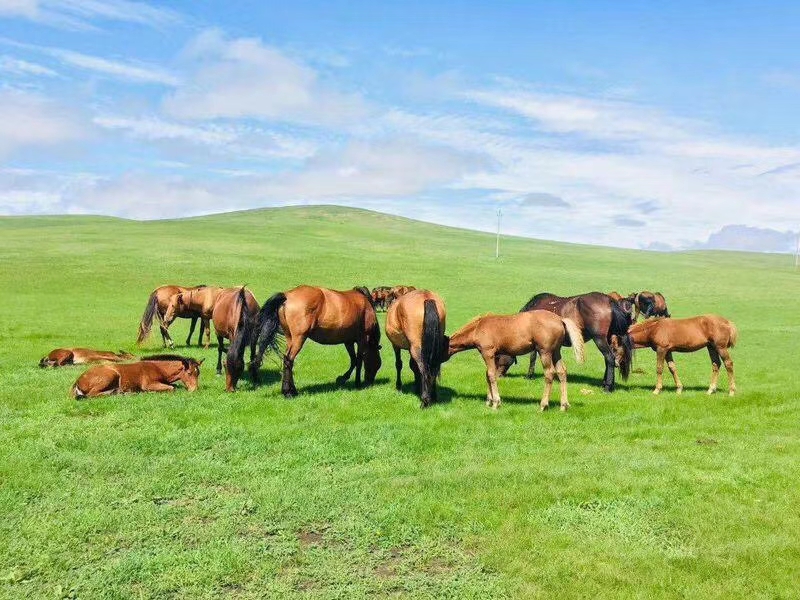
(344, 493)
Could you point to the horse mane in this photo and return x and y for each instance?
(187, 361)
(535, 300)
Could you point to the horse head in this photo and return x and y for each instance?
(190, 375)
(176, 305)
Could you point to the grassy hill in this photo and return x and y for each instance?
(344, 493)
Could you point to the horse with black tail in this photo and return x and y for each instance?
(235, 309)
(599, 317)
(326, 316)
(416, 322)
(156, 308)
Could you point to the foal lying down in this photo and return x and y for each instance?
(517, 334)
(155, 374)
(81, 356)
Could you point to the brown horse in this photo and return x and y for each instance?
(157, 306)
(327, 317)
(380, 296)
(198, 300)
(649, 304)
(396, 291)
(512, 335)
(154, 374)
(234, 307)
(666, 336)
(81, 356)
(416, 322)
(598, 317)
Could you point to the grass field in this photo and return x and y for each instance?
(342, 493)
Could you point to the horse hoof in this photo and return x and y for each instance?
(543, 407)
(656, 392)
(732, 393)
(679, 391)
(341, 380)
(564, 407)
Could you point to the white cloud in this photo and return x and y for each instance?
(79, 14)
(244, 78)
(31, 120)
(134, 72)
(16, 66)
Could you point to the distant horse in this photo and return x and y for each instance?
(625, 303)
(380, 296)
(234, 310)
(416, 322)
(81, 356)
(198, 301)
(156, 307)
(666, 336)
(396, 291)
(327, 317)
(598, 317)
(649, 304)
(511, 335)
(154, 374)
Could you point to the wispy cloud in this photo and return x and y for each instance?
(81, 14)
(16, 66)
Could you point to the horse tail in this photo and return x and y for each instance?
(234, 361)
(268, 329)
(150, 310)
(576, 339)
(433, 340)
(620, 321)
(733, 335)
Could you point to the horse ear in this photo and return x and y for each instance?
(201, 361)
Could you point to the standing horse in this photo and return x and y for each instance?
(649, 304)
(598, 317)
(416, 322)
(380, 296)
(81, 356)
(154, 374)
(198, 300)
(327, 317)
(234, 309)
(666, 336)
(156, 307)
(396, 291)
(511, 335)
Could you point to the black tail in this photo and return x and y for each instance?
(620, 321)
(234, 361)
(150, 310)
(267, 330)
(434, 345)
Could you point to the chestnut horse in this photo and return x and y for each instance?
(154, 374)
(380, 296)
(511, 335)
(326, 316)
(234, 307)
(198, 300)
(666, 336)
(649, 304)
(396, 291)
(81, 356)
(157, 306)
(598, 317)
(416, 322)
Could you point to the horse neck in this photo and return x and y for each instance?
(171, 370)
(641, 333)
(464, 338)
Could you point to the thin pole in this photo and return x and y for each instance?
(497, 246)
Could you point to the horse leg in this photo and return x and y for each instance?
(359, 362)
(412, 364)
(398, 364)
(493, 400)
(660, 356)
(532, 365)
(191, 331)
(424, 377)
(611, 361)
(716, 362)
(726, 357)
(674, 371)
(220, 352)
(208, 333)
(157, 386)
(293, 349)
(351, 352)
(549, 372)
(561, 371)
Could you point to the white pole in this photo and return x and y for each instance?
(497, 246)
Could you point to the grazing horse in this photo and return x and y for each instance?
(199, 301)
(327, 317)
(625, 303)
(234, 307)
(666, 336)
(536, 330)
(153, 374)
(598, 317)
(649, 304)
(396, 291)
(380, 296)
(416, 322)
(81, 356)
(157, 306)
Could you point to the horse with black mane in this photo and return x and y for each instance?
(649, 304)
(599, 317)
(326, 316)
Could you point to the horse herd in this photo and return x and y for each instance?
(415, 322)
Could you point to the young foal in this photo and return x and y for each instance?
(154, 374)
(666, 336)
(513, 335)
(81, 356)
(416, 322)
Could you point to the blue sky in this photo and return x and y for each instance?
(625, 124)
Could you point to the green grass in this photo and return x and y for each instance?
(342, 493)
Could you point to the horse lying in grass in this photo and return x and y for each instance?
(156, 307)
(666, 336)
(512, 335)
(154, 374)
(416, 322)
(81, 356)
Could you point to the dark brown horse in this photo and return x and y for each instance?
(649, 304)
(416, 322)
(598, 317)
(81, 356)
(327, 317)
(511, 335)
(666, 336)
(156, 307)
(233, 310)
(154, 374)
